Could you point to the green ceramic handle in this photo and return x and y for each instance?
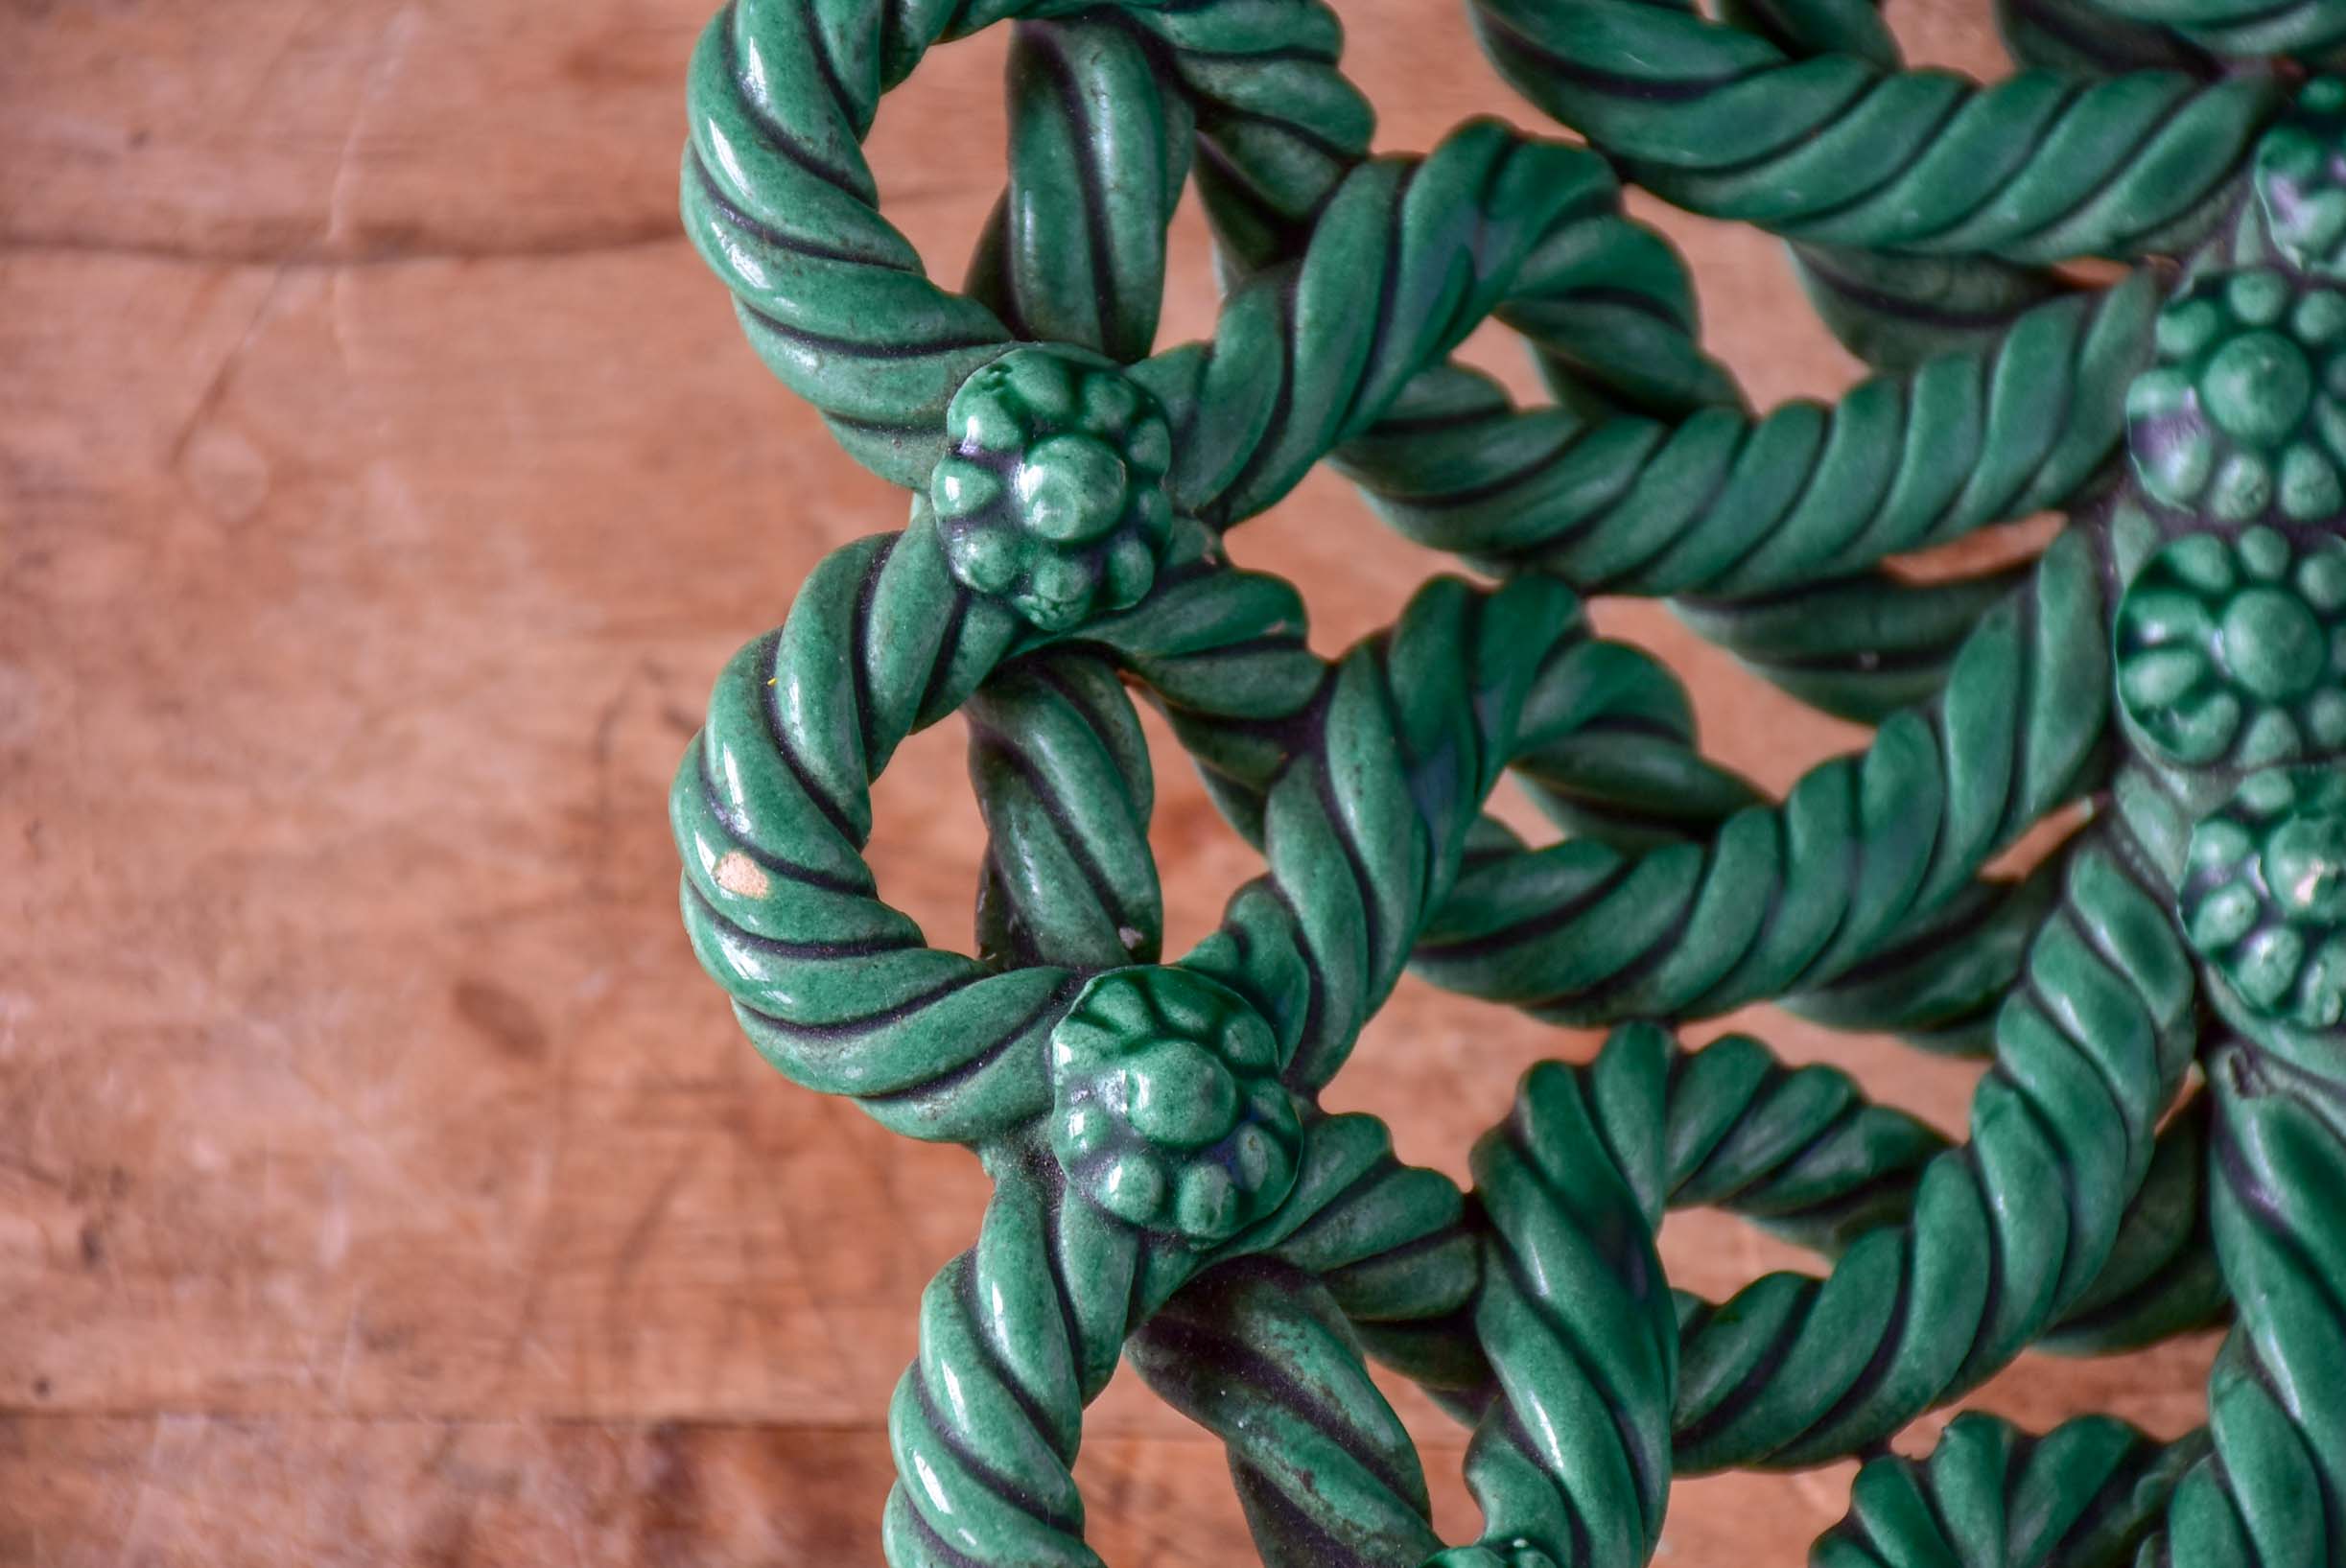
(1166, 1185)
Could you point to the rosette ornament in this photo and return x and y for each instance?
(1166, 1107)
(2301, 178)
(2263, 894)
(2242, 417)
(1053, 494)
(2236, 648)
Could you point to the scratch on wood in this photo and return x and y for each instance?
(398, 36)
(134, 1527)
(216, 389)
(633, 1249)
(350, 1346)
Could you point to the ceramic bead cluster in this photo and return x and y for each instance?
(2301, 178)
(2244, 416)
(1054, 496)
(1166, 1107)
(2235, 647)
(2264, 893)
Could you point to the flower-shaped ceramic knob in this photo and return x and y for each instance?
(2236, 648)
(2263, 894)
(1053, 497)
(1166, 1109)
(2242, 417)
(2301, 178)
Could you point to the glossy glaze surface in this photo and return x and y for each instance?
(1166, 1185)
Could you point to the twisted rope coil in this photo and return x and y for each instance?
(1166, 1186)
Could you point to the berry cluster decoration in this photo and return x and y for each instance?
(2300, 178)
(1053, 497)
(2235, 647)
(2159, 1139)
(2244, 416)
(1166, 1107)
(2264, 893)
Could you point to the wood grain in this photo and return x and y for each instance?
(382, 482)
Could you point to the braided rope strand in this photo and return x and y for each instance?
(2303, 28)
(1784, 899)
(2272, 1493)
(1732, 507)
(2081, 1496)
(1834, 150)
(1260, 1356)
(780, 200)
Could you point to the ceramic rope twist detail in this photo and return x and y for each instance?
(1167, 1186)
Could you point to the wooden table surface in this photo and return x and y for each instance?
(382, 483)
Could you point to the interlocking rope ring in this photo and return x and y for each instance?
(1166, 1185)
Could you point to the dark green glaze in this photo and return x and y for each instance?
(1166, 1185)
